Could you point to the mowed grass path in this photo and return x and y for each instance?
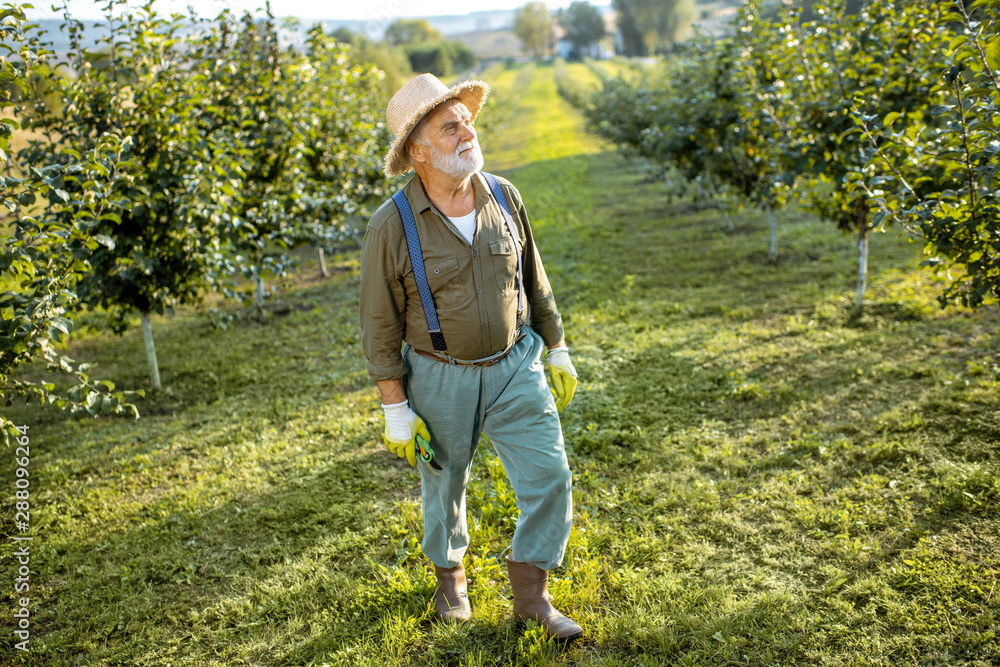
(758, 480)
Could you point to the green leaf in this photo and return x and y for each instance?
(993, 53)
(105, 240)
(62, 324)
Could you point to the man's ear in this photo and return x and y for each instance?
(416, 151)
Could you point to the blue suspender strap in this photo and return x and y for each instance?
(501, 198)
(417, 259)
(419, 274)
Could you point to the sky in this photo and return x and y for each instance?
(363, 10)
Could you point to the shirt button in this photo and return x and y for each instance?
(480, 290)
(437, 270)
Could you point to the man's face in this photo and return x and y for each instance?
(451, 138)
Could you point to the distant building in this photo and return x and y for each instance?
(597, 51)
(604, 48)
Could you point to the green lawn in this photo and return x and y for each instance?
(758, 479)
(616, 67)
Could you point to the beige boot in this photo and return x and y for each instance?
(531, 600)
(451, 601)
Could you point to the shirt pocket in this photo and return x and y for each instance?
(446, 281)
(504, 264)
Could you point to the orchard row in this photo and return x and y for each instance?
(884, 117)
(176, 155)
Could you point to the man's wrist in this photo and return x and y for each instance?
(392, 391)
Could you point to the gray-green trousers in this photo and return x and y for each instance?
(511, 403)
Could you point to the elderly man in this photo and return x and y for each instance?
(449, 267)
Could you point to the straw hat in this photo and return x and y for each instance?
(413, 101)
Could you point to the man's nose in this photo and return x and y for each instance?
(468, 131)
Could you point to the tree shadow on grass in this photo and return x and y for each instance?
(295, 573)
(315, 348)
(223, 571)
(644, 394)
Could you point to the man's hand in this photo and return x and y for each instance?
(402, 425)
(562, 376)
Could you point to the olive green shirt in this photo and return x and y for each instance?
(474, 286)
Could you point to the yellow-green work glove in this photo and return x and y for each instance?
(402, 425)
(562, 376)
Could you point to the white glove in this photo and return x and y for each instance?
(398, 417)
(559, 356)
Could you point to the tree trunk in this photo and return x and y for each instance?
(260, 292)
(147, 336)
(862, 259)
(730, 226)
(772, 251)
(322, 262)
(701, 196)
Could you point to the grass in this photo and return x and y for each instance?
(616, 67)
(758, 479)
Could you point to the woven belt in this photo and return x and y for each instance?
(485, 361)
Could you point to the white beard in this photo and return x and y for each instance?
(455, 165)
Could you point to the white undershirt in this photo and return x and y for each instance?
(466, 224)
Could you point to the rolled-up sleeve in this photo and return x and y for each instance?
(382, 305)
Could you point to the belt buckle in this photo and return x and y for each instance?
(452, 361)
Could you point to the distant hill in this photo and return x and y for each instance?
(52, 33)
(448, 25)
(488, 33)
(455, 24)
(491, 44)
